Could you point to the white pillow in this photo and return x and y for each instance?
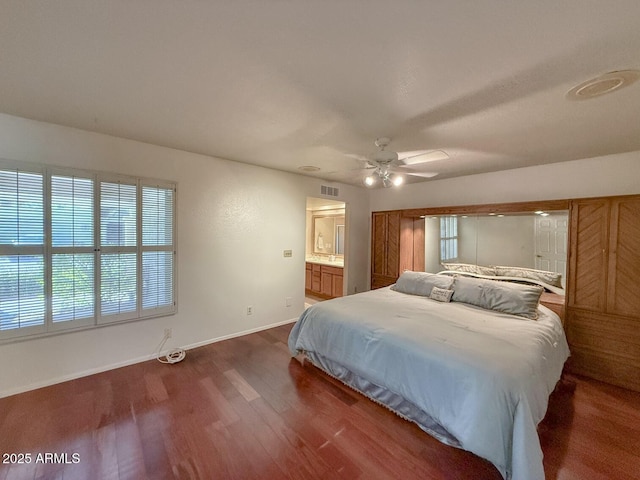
(551, 278)
(512, 298)
(421, 283)
(441, 294)
(469, 268)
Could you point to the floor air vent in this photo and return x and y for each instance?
(330, 191)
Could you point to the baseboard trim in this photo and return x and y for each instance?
(239, 334)
(133, 361)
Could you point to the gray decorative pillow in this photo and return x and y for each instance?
(441, 294)
(421, 283)
(505, 297)
(551, 278)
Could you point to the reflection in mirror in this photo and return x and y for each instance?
(340, 239)
(328, 235)
(536, 241)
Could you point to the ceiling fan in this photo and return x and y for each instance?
(389, 166)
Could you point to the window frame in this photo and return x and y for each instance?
(446, 239)
(51, 250)
(27, 250)
(48, 250)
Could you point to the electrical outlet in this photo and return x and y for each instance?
(288, 253)
(249, 310)
(287, 301)
(168, 333)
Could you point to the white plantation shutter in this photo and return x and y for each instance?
(79, 249)
(118, 207)
(73, 292)
(118, 251)
(21, 198)
(72, 222)
(157, 280)
(448, 238)
(72, 246)
(157, 248)
(22, 302)
(22, 296)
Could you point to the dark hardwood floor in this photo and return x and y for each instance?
(243, 409)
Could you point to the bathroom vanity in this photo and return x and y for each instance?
(323, 277)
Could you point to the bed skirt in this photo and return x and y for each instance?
(380, 395)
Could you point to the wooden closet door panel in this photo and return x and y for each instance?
(418, 245)
(624, 258)
(605, 347)
(588, 261)
(393, 244)
(378, 243)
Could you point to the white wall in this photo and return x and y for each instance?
(508, 240)
(594, 177)
(485, 240)
(234, 221)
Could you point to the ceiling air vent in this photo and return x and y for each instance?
(329, 191)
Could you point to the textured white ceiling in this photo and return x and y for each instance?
(285, 84)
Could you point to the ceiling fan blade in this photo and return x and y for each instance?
(413, 153)
(402, 169)
(361, 158)
(423, 174)
(422, 156)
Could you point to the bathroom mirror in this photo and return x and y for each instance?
(528, 240)
(328, 234)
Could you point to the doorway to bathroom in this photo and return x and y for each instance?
(325, 249)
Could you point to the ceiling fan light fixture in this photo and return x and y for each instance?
(398, 180)
(384, 162)
(370, 180)
(387, 179)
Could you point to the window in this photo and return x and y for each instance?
(81, 249)
(448, 238)
(22, 294)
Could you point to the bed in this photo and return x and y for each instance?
(470, 372)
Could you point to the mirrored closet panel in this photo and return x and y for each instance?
(528, 240)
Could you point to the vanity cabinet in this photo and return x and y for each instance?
(324, 280)
(308, 275)
(603, 306)
(397, 244)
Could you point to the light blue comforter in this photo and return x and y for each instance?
(483, 376)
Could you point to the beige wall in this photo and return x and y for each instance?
(234, 221)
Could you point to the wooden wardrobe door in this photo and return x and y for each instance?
(378, 243)
(393, 244)
(624, 258)
(385, 248)
(588, 257)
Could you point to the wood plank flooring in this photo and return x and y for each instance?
(243, 409)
